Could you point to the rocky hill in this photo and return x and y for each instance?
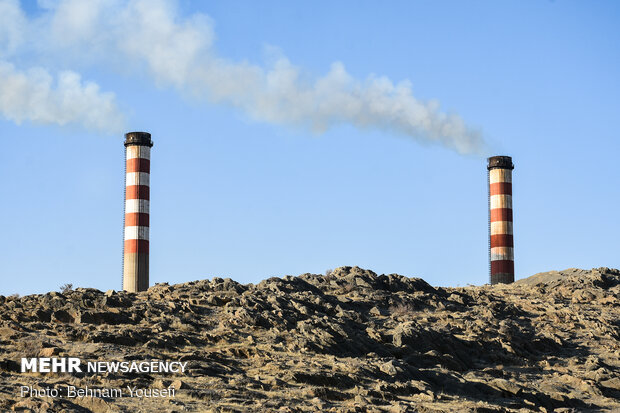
(349, 341)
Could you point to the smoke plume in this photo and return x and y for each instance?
(34, 95)
(179, 52)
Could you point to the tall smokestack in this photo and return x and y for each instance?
(501, 245)
(137, 195)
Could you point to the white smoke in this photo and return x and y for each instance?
(179, 52)
(12, 24)
(34, 95)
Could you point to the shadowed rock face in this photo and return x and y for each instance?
(350, 341)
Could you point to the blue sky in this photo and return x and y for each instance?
(245, 191)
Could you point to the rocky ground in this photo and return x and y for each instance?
(349, 341)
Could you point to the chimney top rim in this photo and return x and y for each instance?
(500, 161)
(138, 138)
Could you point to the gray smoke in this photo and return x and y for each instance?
(179, 52)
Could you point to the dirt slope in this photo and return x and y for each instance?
(353, 341)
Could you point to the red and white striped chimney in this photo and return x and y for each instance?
(137, 197)
(501, 244)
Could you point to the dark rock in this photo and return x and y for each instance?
(62, 316)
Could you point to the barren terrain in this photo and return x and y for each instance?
(349, 341)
